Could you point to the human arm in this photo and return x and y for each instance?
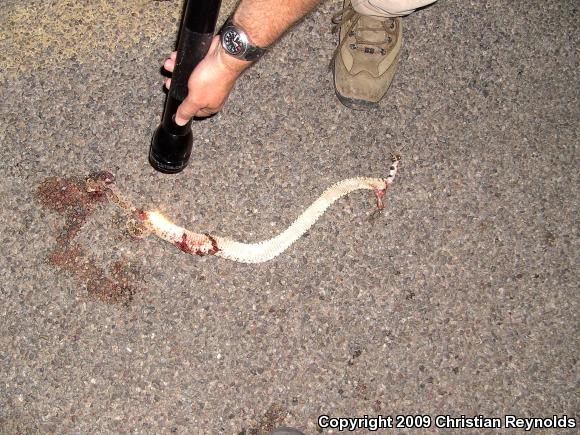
(212, 80)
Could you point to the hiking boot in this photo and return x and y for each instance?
(366, 58)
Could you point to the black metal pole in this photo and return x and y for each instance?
(172, 144)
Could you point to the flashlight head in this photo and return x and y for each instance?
(169, 153)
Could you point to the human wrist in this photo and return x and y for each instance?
(233, 66)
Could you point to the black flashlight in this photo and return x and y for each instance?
(172, 144)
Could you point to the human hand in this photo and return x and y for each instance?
(210, 82)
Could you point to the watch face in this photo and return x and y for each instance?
(233, 42)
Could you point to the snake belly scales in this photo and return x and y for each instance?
(142, 223)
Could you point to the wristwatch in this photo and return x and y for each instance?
(237, 44)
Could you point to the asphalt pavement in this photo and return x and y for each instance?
(461, 298)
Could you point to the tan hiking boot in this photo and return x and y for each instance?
(366, 58)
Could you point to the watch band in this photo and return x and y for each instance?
(244, 49)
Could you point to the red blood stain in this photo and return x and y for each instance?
(97, 194)
(141, 214)
(68, 197)
(112, 286)
(184, 245)
(379, 194)
(214, 245)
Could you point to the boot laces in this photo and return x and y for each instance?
(348, 13)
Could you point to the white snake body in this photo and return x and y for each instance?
(142, 223)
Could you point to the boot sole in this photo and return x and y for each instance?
(354, 104)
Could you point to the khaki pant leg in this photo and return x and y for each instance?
(388, 8)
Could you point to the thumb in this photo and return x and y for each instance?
(185, 112)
